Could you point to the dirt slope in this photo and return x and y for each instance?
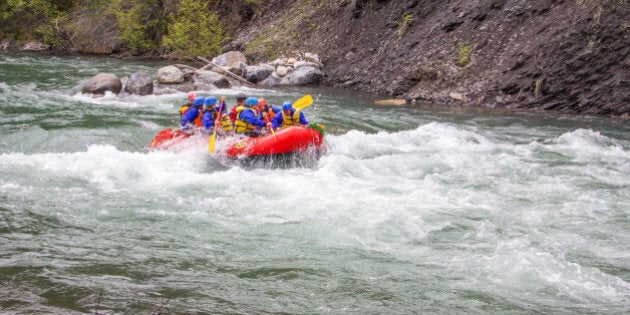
(570, 56)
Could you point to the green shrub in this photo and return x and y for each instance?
(27, 20)
(196, 30)
(464, 55)
(135, 22)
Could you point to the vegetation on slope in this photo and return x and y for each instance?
(177, 28)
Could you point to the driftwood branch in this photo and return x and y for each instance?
(186, 66)
(223, 71)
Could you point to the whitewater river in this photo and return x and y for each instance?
(412, 210)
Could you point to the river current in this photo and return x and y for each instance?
(413, 210)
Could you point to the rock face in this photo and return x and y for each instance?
(571, 56)
(101, 83)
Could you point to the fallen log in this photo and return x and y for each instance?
(391, 102)
(223, 71)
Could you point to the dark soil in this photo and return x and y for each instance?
(571, 56)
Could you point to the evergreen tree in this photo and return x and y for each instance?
(196, 30)
(138, 22)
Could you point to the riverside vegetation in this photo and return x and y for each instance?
(562, 55)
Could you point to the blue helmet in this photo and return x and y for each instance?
(287, 106)
(210, 100)
(251, 101)
(198, 101)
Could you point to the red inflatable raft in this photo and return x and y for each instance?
(168, 138)
(294, 139)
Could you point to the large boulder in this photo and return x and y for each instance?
(272, 80)
(303, 76)
(170, 75)
(230, 60)
(205, 79)
(139, 83)
(101, 83)
(255, 74)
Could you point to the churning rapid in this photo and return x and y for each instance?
(413, 209)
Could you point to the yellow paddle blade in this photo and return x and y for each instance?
(304, 101)
(213, 138)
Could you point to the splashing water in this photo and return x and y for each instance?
(411, 209)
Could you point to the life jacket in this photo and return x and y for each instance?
(270, 112)
(293, 120)
(243, 126)
(233, 113)
(197, 120)
(226, 123)
(183, 109)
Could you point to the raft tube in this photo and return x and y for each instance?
(292, 139)
(168, 138)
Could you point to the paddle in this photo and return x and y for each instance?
(303, 102)
(271, 128)
(213, 138)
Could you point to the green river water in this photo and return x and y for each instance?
(413, 210)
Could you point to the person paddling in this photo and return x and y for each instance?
(247, 121)
(184, 108)
(212, 116)
(209, 113)
(289, 117)
(266, 111)
(240, 101)
(192, 117)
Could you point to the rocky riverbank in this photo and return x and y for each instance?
(570, 56)
(227, 70)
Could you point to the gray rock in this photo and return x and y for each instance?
(301, 63)
(303, 76)
(258, 73)
(231, 59)
(139, 83)
(312, 57)
(282, 71)
(210, 79)
(170, 75)
(101, 83)
(272, 80)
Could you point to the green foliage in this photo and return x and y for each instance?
(405, 21)
(196, 30)
(135, 22)
(318, 127)
(28, 20)
(464, 55)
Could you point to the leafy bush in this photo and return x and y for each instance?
(464, 55)
(28, 20)
(196, 30)
(135, 21)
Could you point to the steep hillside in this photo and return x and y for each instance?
(549, 54)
